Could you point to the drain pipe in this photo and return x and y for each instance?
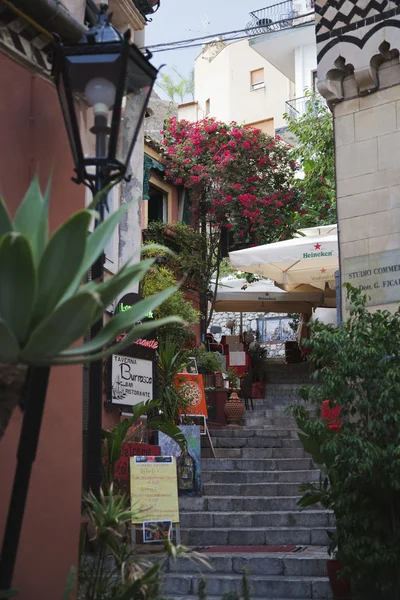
(52, 16)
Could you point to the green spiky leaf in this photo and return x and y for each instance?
(17, 283)
(95, 246)
(61, 328)
(9, 347)
(5, 220)
(121, 322)
(61, 260)
(29, 215)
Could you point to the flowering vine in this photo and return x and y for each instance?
(241, 178)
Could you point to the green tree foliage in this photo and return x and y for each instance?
(159, 278)
(358, 368)
(314, 152)
(177, 89)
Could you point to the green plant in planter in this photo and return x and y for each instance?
(358, 368)
(207, 362)
(258, 356)
(234, 380)
(44, 307)
(171, 401)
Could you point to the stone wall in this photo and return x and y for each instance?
(157, 112)
(359, 74)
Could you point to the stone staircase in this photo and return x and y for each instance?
(248, 506)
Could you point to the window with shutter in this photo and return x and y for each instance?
(257, 79)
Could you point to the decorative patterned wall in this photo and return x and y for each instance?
(354, 38)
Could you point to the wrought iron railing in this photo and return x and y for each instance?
(278, 16)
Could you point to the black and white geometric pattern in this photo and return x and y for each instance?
(336, 17)
(20, 37)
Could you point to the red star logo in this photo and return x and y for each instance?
(317, 246)
(267, 293)
(323, 270)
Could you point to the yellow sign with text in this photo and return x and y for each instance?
(154, 489)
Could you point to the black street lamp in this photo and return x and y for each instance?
(96, 75)
(93, 79)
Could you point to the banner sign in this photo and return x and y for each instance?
(193, 388)
(121, 469)
(131, 380)
(154, 489)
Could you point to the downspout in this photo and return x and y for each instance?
(52, 16)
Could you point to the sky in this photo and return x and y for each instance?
(181, 19)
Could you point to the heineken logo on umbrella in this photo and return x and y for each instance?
(317, 253)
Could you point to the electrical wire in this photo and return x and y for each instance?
(192, 42)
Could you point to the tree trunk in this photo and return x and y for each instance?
(12, 379)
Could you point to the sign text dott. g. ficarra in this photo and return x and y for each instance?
(376, 275)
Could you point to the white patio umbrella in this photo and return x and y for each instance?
(236, 295)
(301, 260)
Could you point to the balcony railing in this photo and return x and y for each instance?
(279, 16)
(296, 107)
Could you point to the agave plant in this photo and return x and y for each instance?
(45, 307)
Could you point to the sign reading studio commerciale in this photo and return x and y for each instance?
(376, 275)
(132, 380)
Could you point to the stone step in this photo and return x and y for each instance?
(251, 432)
(268, 439)
(260, 453)
(189, 597)
(259, 477)
(272, 586)
(252, 489)
(257, 536)
(235, 503)
(256, 420)
(314, 518)
(310, 562)
(256, 464)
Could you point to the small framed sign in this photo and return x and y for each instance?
(156, 531)
(132, 380)
(191, 366)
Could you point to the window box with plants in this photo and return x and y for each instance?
(209, 366)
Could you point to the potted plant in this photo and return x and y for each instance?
(358, 368)
(258, 357)
(318, 436)
(208, 364)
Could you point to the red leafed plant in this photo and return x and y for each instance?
(238, 177)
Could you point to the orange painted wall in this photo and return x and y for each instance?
(32, 137)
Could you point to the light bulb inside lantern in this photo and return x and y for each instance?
(100, 94)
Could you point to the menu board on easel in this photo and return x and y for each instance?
(154, 489)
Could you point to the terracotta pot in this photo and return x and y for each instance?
(234, 410)
(340, 587)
